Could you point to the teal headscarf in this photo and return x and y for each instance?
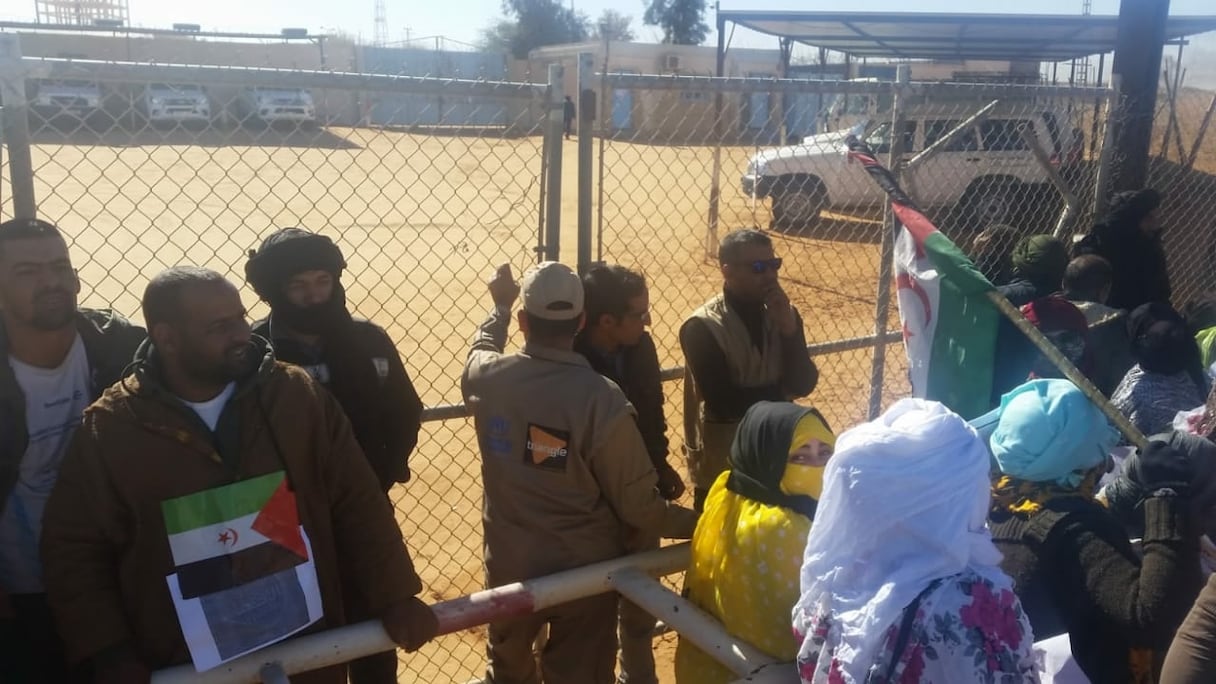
(1049, 431)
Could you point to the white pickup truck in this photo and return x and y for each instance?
(272, 105)
(984, 173)
(174, 103)
(54, 99)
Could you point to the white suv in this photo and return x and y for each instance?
(983, 173)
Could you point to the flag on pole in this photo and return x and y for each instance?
(949, 325)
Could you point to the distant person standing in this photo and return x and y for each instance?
(568, 116)
(743, 346)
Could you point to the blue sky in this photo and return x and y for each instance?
(461, 20)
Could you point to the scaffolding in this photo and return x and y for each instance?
(83, 12)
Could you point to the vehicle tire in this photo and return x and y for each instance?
(990, 202)
(798, 203)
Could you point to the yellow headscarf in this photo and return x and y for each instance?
(804, 479)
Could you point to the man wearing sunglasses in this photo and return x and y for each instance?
(743, 346)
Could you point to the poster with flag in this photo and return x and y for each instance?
(244, 576)
(949, 325)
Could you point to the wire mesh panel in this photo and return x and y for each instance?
(147, 168)
(993, 153)
(683, 161)
(1183, 170)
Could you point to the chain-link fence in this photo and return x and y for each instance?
(973, 156)
(425, 184)
(428, 183)
(1183, 169)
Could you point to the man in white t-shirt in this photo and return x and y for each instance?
(56, 360)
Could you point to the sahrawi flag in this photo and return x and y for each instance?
(949, 325)
(243, 575)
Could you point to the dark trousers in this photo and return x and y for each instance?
(580, 650)
(31, 651)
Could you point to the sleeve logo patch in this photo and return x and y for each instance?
(547, 448)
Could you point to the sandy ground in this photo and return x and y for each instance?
(423, 220)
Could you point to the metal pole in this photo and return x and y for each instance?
(17, 127)
(1138, 46)
(553, 189)
(1106, 155)
(706, 633)
(887, 252)
(1093, 134)
(314, 651)
(1048, 349)
(586, 117)
(273, 673)
(1203, 131)
(604, 113)
(711, 236)
(1061, 186)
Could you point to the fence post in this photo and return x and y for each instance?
(17, 126)
(882, 307)
(711, 231)
(586, 117)
(1106, 155)
(553, 184)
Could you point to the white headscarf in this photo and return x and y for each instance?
(905, 502)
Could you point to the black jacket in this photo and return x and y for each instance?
(1137, 262)
(1076, 573)
(640, 378)
(388, 432)
(110, 342)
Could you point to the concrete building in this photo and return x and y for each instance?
(688, 116)
(668, 116)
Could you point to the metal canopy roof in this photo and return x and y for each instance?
(914, 35)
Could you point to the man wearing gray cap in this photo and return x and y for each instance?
(567, 478)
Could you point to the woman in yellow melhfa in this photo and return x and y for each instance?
(749, 542)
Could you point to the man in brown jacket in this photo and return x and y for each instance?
(206, 419)
(567, 478)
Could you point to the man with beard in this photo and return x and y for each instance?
(743, 346)
(216, 501)
(299, 274)
(59, 358)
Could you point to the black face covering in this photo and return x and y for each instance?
(353, 377)
(326, 319)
